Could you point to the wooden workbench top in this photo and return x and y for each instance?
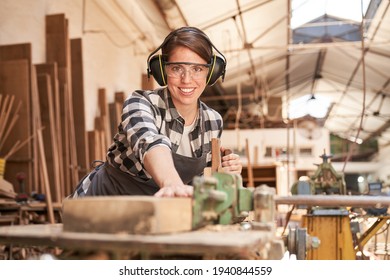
(208, 243)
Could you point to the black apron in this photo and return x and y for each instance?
(108, 180)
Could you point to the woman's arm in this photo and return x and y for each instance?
(159, 164)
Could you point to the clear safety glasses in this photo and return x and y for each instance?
(178, 69)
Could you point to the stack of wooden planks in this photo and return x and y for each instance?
(42, 122)
(45, 127)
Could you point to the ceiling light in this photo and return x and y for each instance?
(355, 140)
(316, 108)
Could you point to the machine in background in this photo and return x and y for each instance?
(330, 214)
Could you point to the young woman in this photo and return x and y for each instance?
(164, 139)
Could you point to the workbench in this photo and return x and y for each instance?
(217, 243)
(12, 213)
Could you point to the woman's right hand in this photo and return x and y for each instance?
(175, 190)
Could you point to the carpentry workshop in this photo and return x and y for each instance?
(195, 130)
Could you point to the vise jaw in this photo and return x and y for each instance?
(220, 199)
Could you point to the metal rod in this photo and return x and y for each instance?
(334, 200)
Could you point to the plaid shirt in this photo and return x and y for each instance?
(149, 118)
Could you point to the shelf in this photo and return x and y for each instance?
(262, 174)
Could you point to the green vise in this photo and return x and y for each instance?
(220, 199)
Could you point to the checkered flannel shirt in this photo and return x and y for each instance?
(149, 118)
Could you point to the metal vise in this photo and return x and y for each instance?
(220, 199)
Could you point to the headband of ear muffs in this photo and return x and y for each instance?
(156, 62)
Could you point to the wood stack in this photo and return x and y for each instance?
(106, 125)
(42, 127)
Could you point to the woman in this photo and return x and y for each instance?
(164, 139)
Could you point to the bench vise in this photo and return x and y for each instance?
(221, 199)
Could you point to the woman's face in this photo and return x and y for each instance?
(187, 81)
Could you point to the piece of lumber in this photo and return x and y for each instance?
(48, 121)
(127, 214)
(104, 118)
(15, 80)
(51, 69)
(147, 83)
(41, 146)
(58, 51)
(78, 105)
(250, 170)
(94, 147)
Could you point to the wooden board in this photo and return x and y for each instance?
(51, 69)
(127, 214)
(15, 84)
(15, 80)
(46, 105)
(94, 147)
(78, 105)
(58, 51)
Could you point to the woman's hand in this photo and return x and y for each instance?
(231, 162)
(175, 190)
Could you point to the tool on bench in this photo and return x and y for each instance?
(220, 198)
(21, 196)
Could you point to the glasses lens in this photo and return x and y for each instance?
(177, 70)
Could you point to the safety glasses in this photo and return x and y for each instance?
(178, 69)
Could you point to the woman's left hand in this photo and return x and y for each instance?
(231, 162)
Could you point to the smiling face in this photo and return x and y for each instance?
(185, 90)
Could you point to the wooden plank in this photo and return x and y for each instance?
(115, 110)
(15, 80)
(49, 135)
(100, 139)
(18, 52)
(104, 118)
(249, 165)
(58, 50)
(147, 84)
(128, 214)
(72, 144)
(78, 105)
(41, 147)
(120, 97)
(57, 40)
(94, 147)
(51, 69)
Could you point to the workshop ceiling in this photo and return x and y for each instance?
(270, 64)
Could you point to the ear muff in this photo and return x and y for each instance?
(217, 70)
(156, 69)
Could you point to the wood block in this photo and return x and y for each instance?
(127, 214)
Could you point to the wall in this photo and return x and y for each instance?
(109, 62)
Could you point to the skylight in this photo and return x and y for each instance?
(308, 105)
(304, 11)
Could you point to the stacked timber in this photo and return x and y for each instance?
(39, 118)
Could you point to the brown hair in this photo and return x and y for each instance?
(189, 37)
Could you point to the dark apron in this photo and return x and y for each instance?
(110, 181)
